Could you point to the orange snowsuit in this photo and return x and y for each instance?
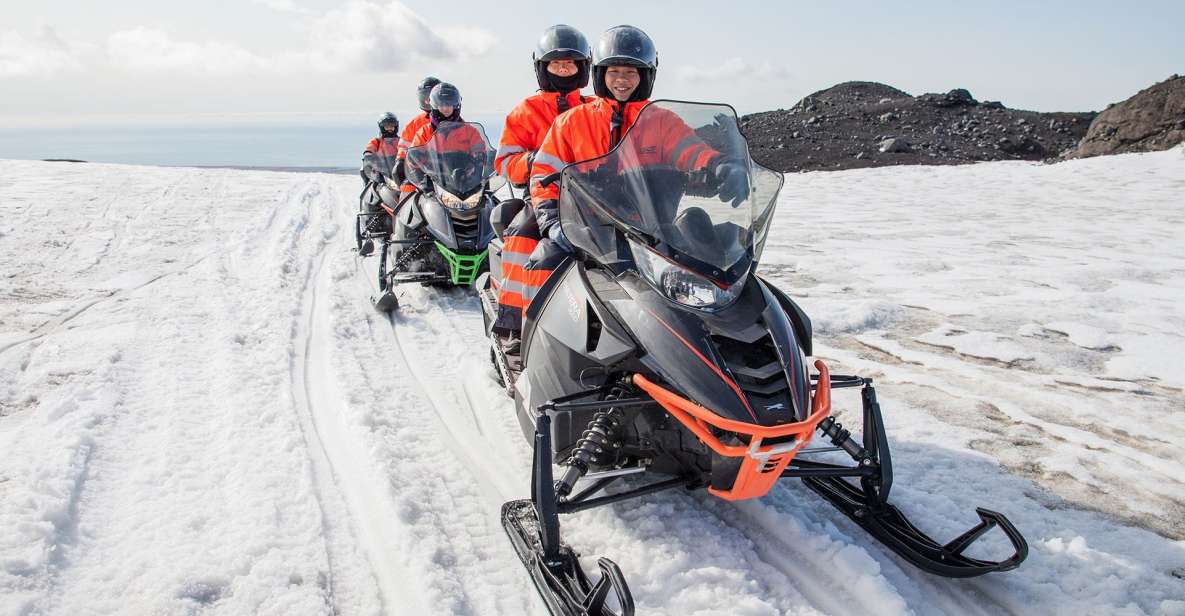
(409, 132)
(523, 131)
(460, 138)
(592, 129)
(385, 152)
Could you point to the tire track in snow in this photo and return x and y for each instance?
(456, 540)
(356, 508)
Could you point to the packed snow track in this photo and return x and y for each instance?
(200, 413)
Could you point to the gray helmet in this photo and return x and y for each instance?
(387, 119)
(424, 90)
(445, 95)
(625, 46)
(561, 42)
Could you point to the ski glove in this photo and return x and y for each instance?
(732, 181)
(556, 233)
(400, 171)
(546, 214)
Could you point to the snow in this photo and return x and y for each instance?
(200, 412)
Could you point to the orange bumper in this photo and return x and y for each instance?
(763, 464)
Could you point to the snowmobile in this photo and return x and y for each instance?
(657, 358)
(439, 233)
(376, 202)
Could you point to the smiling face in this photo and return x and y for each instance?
(445, 110)
(622, 81)
(562, 68)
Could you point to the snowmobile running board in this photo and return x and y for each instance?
(534, 530)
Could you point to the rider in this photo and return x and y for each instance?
(562, 57)
(422, 92)
(624, 66)
(380, 154)
(444, 105)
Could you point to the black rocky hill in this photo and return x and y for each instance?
(866, 124)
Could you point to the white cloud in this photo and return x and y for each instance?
(43, 54)
(373, 36)
(362, 35)
(733, 69)
(284, 6)
(147, 49)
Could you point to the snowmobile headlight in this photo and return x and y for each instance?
(392, 184)
(682, 285)
(450, 200)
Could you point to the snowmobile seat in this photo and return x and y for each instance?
(503, 213)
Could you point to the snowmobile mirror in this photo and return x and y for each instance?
(550, 179)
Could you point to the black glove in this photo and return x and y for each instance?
(547, 213)
(400, 171)
(732, 181)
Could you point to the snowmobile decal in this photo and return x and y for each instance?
(723, 377)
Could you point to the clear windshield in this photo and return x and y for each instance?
(458, 158)
(682, 181)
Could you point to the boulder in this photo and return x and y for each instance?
(895, 145)
(1152, 120)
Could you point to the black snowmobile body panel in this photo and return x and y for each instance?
(742, 362)
(572, 342)
(469, 232)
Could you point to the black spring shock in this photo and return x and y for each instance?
(598, 445)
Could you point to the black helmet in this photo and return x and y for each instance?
(445, 95)
(625, 46)
(388, 118)
(561, 42)
(424, 90)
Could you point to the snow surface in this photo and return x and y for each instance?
(201, 414)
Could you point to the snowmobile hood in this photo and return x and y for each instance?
(742, 362)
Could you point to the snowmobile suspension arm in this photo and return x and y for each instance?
(582, 502)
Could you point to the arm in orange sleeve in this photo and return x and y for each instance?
(553, 155)
(687, 151)
(420, 138)
(515, 147)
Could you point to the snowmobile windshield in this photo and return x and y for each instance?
(458, 159)
(682, 183)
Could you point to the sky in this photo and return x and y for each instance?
(81, 63)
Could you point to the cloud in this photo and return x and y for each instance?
(362, 35)
(390, 37)
(284, 6)
(147, 49)
(733, 69)
(43, 54)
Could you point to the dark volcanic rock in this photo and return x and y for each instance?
(845, 126)
(1152, 120)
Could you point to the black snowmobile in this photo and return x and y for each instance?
(439, 233)
(657, 353)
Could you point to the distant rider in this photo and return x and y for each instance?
(378, 159)
(444, 103)
(423, 91)
(562, 61)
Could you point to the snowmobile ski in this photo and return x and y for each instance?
(533, 528)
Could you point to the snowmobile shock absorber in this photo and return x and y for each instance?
(842, 438)
(598, 445)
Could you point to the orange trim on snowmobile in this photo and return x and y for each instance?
(762, 465)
